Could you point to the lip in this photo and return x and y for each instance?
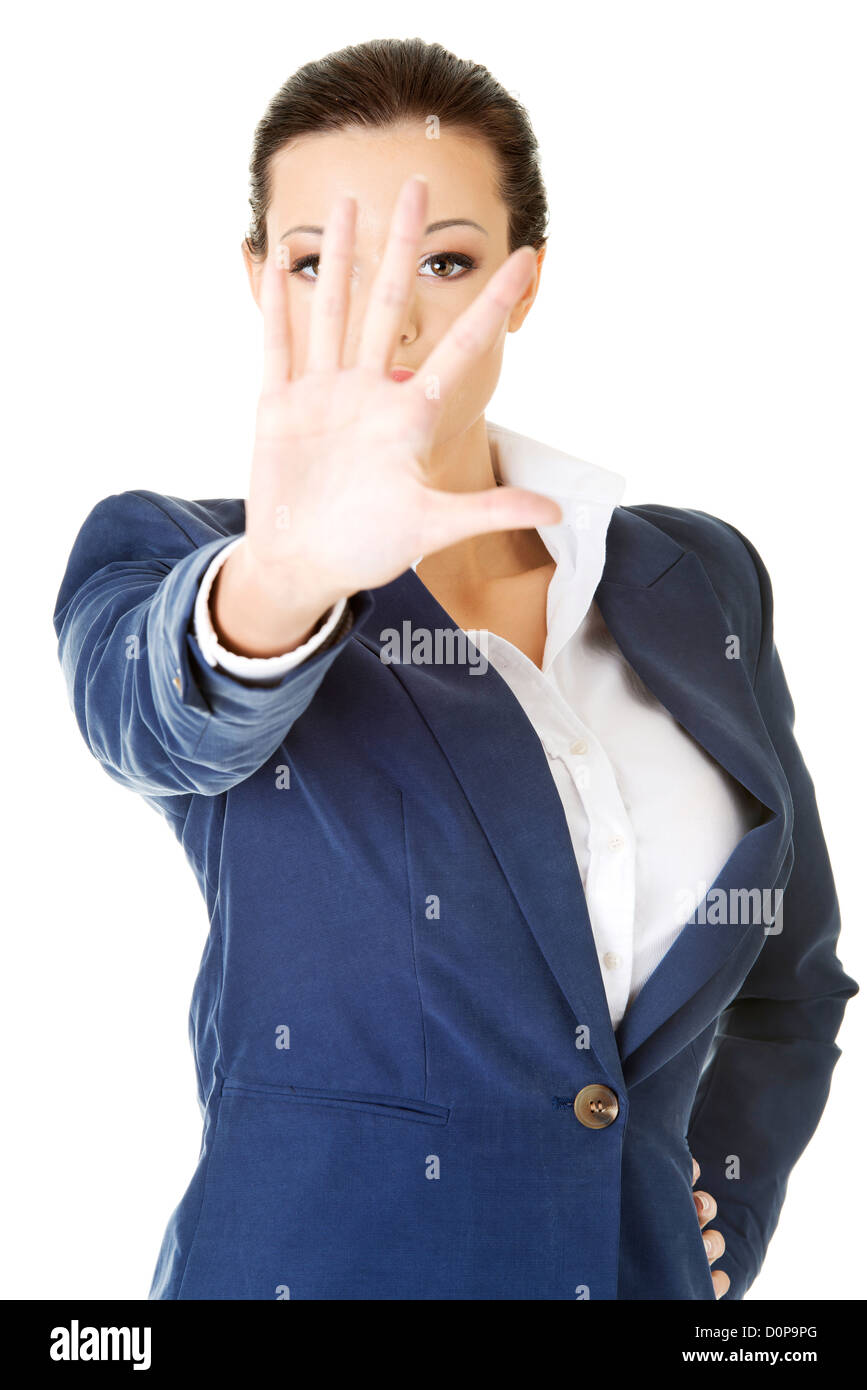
(402, 373)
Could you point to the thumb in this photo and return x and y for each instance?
(455, 516)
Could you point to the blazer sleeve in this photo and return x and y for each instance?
(156, 715)
(761, 1095)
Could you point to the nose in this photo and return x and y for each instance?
(360, 291)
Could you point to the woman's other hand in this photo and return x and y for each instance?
(714, 1242)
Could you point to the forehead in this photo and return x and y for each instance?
(373, 164)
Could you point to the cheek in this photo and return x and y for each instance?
(472, 394)
(440, 319)
(483, 371)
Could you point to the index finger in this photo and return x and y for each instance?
(274, 300)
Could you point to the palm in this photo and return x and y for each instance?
(358, 447)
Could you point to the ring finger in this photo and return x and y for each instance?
(331, 291)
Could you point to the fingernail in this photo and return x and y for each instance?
(281, 256)
(708, 1245)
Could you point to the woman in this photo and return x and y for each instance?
(489, 783)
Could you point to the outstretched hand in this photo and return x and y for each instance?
(340, 495)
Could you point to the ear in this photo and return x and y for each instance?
(522, 308)
(254, 271)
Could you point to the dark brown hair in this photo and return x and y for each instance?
(377, 84)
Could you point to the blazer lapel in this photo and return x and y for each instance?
(661, 609)
(503, 770)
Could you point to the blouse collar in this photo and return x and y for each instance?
(587, 496)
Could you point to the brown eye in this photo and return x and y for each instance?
(303, 263)
(443, 264)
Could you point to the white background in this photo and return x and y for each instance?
(700, 329)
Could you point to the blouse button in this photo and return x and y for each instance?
(616, 842)
(579, 746)
(611, 960)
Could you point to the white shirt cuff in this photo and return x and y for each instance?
(251, 667)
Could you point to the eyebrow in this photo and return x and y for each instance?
(432, 227)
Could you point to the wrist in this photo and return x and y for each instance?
(259, 613)
(287, 583)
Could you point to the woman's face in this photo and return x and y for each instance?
(454, 261)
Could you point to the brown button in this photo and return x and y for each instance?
(596, 1106)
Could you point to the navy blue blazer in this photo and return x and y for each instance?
(391, 1016)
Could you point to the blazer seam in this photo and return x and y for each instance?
(669, 568)
(410, 900)
(636, 508)
(218, 1016)
(205, 1180)
(693, 1115)
(167, 515)
(719, 1038)
(216, 1090)
(697, 1064)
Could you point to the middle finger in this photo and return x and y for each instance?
(705, 1206)
(392, 287)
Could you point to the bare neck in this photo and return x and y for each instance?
(470, 568)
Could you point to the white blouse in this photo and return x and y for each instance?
(652, 817)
